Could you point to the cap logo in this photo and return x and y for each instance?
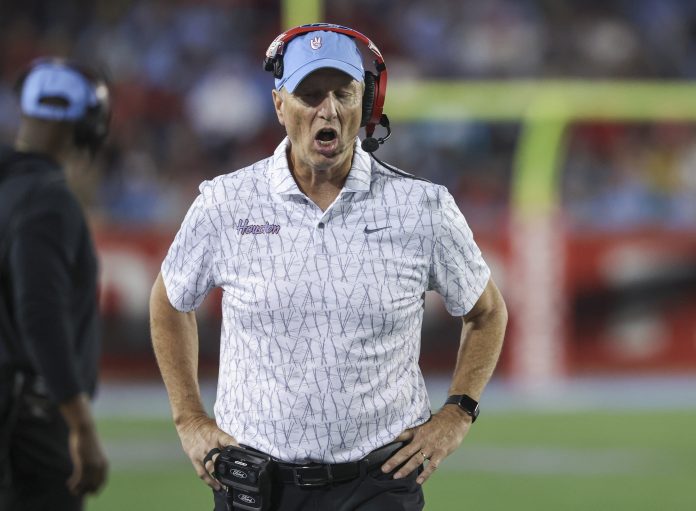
(315, 43)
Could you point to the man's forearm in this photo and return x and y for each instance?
(480, 345)
(77, 412)
(175, 342)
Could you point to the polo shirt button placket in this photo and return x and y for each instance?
(319, 240)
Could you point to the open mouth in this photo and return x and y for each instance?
(326, 135)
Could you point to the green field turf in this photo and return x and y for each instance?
(511, 461)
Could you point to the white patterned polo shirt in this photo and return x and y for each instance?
(322, 310)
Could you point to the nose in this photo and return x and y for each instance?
(327, 107)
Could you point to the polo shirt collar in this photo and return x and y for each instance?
(360, 171)
(283, 183)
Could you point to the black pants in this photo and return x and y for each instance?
(374, 491)
(34, 458)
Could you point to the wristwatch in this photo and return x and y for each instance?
(466, 403)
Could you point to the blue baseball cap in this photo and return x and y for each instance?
(56, 80)
(316, 50)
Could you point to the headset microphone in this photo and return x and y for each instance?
(370, 144)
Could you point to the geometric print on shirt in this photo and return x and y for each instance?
(322, 310)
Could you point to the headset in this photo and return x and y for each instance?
(91, 130)
(375, 85)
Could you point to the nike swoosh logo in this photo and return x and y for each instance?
(370, 231)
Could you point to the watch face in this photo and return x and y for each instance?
(469, 405)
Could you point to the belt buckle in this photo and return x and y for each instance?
(300, 479)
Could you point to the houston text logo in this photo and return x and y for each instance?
(244, 227)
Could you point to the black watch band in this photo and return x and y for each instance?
(466, 403)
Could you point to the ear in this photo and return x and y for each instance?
(278, 104)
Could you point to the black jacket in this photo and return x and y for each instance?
(48, 278)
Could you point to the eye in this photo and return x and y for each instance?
(345, 95)
(310, 96)
(307, 92)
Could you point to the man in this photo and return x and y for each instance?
(50, 454)
(324, 257)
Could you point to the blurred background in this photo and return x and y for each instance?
(565, 130)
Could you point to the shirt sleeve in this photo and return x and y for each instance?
(187, 269)
(457, 271)
(40, 257)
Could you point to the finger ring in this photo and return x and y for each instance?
(424, 456)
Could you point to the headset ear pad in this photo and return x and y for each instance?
(85, 135)
(91, 130)
(368, 97)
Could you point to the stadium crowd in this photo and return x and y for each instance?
(188, 108)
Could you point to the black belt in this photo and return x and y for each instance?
(318, 474)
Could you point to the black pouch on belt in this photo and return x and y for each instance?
(247, 476)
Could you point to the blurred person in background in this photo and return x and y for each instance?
(50, 452)
(324, 257)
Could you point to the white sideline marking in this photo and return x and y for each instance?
(554, 461)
